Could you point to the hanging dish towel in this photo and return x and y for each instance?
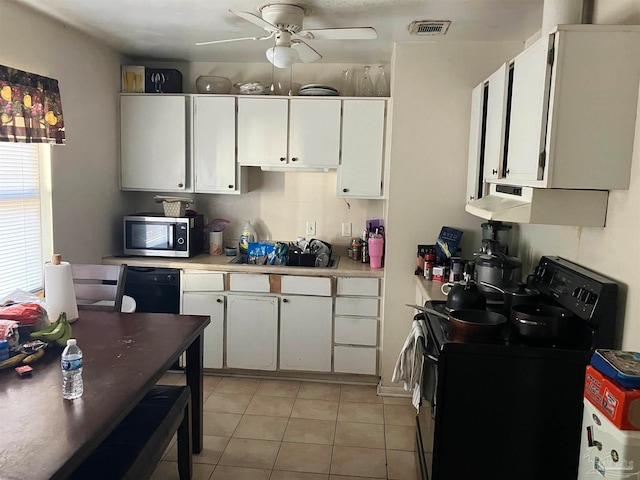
(408, 369)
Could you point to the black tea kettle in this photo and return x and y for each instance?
(466, 295)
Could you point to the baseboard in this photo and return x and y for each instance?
(350, 379)
(392, 391)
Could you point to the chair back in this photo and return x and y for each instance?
(99, 287)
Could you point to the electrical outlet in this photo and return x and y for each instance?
(311, 228)
(346, 229)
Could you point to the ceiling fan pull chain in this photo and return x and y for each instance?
(273, 80)
(290, 80)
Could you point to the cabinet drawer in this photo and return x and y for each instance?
(317, 286)
(361, 360)
(360, 287)
(198, 281)
(361, 307)
(248, 282)
(356, 331)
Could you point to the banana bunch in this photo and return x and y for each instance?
(55, 334)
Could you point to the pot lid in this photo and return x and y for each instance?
(498, 260)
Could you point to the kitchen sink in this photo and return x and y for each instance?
(242, 260)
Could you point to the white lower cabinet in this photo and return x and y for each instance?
(212, 304)
(252, 332)
(354, 359)
(356, 326)
(305, 333)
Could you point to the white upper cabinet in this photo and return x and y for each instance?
(360, 171)
(530, 85)
(214, 145)
(278, 132)
(475, 180)
(154, 150)
(314, 132)
(572, 109)
(495, 90)
(262, 131)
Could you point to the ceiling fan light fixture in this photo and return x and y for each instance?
(281, 56)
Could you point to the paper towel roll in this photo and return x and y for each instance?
(58, 290)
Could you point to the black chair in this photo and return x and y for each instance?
(134, 449)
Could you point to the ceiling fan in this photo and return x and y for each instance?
(283, 21)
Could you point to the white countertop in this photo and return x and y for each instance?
(430, 290)
(220, 263)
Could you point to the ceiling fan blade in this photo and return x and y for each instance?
(235, 39)
(347, 33)
(305, 52)
(256, 20)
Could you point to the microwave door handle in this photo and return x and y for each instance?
(172, 236)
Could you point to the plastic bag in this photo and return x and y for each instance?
(25, 308)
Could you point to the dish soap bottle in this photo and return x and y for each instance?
(247, 235)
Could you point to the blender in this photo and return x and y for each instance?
(495, 237)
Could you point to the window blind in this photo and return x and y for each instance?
(20, 224)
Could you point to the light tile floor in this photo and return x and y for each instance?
(289, 430)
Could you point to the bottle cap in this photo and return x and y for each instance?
(71, 341)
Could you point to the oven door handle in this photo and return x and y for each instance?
(423, 347)
(431, 358)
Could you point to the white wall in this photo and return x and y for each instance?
(87, 204)
(431, 111)
(613, 250)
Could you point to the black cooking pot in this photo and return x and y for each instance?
(516, 295)
(541, 322)
(466, 296)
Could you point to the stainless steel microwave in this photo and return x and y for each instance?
(154, 235)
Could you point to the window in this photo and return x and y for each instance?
(21, 252)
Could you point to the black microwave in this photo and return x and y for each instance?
(154, 235)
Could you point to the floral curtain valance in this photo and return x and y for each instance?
(30, 108)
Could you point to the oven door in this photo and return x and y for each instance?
(425, 420)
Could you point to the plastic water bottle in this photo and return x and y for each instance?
(71, 363)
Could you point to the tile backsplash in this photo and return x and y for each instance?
(278, 204)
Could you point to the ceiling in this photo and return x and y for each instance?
(169, 29)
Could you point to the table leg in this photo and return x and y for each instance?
(194, 381)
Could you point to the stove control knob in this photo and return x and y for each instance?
(584, 295)
(593, 297)
(576, 292)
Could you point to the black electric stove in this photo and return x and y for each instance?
(506, 407)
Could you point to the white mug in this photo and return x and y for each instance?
(446, 288)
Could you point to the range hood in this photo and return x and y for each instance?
(507, 203)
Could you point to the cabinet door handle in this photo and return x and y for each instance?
(180, 185)
(219, 300)
(507, 172)
(345, 190)
(282, 159)
(230, 186)
(471, 197)
(285, 300)
(294, 159)
(495, 172)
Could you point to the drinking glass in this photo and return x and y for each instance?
(366, 88)
(382, 87)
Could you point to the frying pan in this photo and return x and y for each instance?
(470, 323)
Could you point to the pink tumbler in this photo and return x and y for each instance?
(376, 248)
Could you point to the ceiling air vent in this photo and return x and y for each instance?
(429, 27)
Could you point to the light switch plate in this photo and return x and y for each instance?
(311, 228)
(346, 229)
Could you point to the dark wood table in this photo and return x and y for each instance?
(43, 436)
